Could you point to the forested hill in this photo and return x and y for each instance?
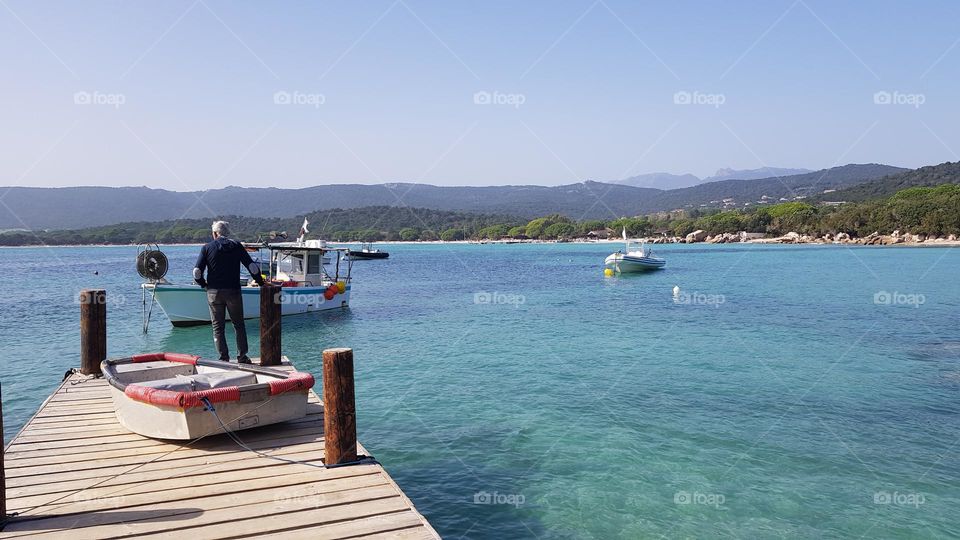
(366, 224)
(934, 175)
(77, 207)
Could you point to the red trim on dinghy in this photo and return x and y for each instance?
(187, 400)
(297, 381)
(292, 381)
(165, 356)
(183, 400)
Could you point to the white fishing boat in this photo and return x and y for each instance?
(313, 276)
(634, 258)
(181, 397)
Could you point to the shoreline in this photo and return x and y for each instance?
(760, 241)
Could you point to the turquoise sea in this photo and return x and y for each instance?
(513, 391)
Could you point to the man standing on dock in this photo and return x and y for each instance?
(222, 258)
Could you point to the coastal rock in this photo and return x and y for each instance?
(952, 238)
(789, 238)
(698, 235)
(888, 240)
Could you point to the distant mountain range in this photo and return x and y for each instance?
(76, 207)
(662, 180)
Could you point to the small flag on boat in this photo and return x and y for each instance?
(303, 230)
(624, 233)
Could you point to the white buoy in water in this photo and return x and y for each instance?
(676, 290)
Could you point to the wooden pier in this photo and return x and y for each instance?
(73, 472)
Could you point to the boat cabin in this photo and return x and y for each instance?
(305, 264)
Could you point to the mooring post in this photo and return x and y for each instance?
(339, 407)
(93, 330)
(270, 329)
(3, 478)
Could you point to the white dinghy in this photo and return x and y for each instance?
(169, 395)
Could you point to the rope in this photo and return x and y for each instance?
(364, 460)
(73, 371)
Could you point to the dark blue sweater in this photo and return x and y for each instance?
(221, 259)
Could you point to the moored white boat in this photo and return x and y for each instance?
(167, 395)
(634, 261)
(634, 258)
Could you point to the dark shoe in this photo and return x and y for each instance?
(244, 360)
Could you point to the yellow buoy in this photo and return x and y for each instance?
(341, 287)
(608, 272)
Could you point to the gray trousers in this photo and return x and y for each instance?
(221, 302)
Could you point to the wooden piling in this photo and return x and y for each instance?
(339, 407)
(93, 330)
(270, 328)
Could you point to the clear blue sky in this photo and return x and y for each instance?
(197, 81)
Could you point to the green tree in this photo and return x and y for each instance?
(451, 235)
(560, 230)
(409, 234)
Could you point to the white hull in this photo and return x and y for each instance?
(631, 263)
(187, 305)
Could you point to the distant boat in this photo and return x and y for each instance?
(634, 258)
(366, 251)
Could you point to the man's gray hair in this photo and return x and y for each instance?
(222, 228)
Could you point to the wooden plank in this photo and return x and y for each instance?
(288, 516)
(167, 458)
(166, 514)
(176, 488)
(384, 525)
(231, 462)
